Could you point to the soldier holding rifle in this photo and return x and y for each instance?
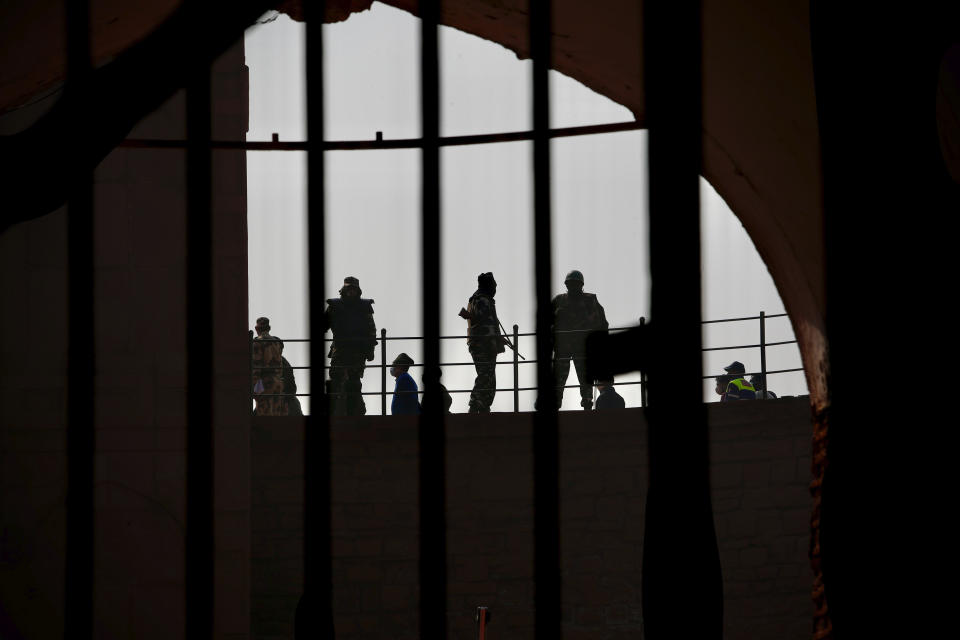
(484, 341)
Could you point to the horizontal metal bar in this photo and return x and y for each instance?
(380, 144)
(773, 315)
(749, 346)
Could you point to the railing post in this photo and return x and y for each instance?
(763, 351)
(516, 369)
(250, 369)
(643, 375)
(383, 371)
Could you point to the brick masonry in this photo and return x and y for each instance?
(760, 472)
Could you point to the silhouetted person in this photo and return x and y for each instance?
(405, 401)
(350, 318)
(575, 315)
(273, 386)
(446, 399)
(737, 387)
(759, 383)
(608, 398)
(484, 342)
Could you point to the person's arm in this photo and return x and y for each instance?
(372, 334)
(604, 325)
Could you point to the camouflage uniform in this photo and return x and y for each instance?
(579, 313)
(354, 338)
(268, 384)
(484, 343)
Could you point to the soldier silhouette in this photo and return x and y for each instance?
(575, 315)
(484, 341)
(350, 318)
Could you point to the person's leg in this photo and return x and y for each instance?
(586, 386)
(352, 388)
(475, 400)
(338, 386)
(561, 369)
(358, 398)
(482, 395)
(490, 380)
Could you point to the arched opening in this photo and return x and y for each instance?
(373, 204)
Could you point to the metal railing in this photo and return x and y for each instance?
(516, 361)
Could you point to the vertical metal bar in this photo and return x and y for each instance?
(643, 375)
(315, 610)
(546, 449)
(763, 351)
(383, 372)
(516, 368)
(433, 543)
(78, 570)
(199, 529)
(250, 365)
(681, 567)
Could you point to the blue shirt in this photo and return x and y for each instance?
(405, 401)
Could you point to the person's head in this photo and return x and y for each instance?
(432, 375)
(351, 288)
(735, 369)
(722, 382)
(758, 381)
(603, 385)
(574, 282)
(401, 364)
(487, 284)
(263, 326)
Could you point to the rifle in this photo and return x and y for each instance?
(466, 316)
(507, 340)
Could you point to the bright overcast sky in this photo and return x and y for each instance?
(373, 203)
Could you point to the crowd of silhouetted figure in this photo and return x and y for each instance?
(576, 314)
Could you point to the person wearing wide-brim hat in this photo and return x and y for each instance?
(350, 319)
(737, 388)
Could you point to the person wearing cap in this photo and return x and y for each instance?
(274, 387)
(608, 398)
(737, 387)
(575, 315)
(484, 341)
(405, 401)
(350, 319)
(759, 383)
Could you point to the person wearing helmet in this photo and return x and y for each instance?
(575, 315)
(737, 387)
(350, 318)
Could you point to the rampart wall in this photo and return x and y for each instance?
(760, 474)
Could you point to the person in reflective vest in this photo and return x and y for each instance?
(737, 388)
